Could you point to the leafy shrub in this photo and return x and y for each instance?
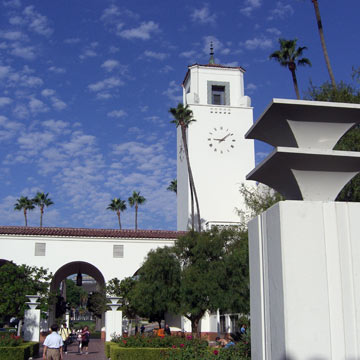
(20, 352)
(10, 340)
(154, 341)
(123, 353)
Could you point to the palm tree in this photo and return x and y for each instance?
(173, 186)
(25, 204)
(117, 205)
(135, 200)
(290, 57)
(183, 117)
(322, 40)
(41, 200)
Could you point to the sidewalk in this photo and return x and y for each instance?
(96, 351)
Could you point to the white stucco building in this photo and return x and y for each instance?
(220, 157)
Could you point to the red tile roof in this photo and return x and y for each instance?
(219, 66)
(92, 233)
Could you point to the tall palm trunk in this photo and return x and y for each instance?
(41, 215)
(292, 69)
(136, 211)
(192, 208)
(25, 217)
(322, 40)
(191, 179)
(118, 214)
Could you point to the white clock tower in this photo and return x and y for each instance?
(220, 157)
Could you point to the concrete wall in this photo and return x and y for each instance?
(304, 276)
(96, 251)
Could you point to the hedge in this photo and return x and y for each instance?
(121, 353)
(108, 345)
(21, 352)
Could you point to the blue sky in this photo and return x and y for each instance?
(86, 87)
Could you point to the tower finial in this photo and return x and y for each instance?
(211, 61)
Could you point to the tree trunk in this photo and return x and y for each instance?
(195, 326)
(136, 212)
(295, 82)
(192, 207)
(41, 216)
(118, 214)
(25, 217)
(191, 178)
(323, 44)
(19, 328)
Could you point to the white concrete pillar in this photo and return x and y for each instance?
(113, 323)
(304, 271)
(32, 320)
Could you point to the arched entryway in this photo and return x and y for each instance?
(75, 267)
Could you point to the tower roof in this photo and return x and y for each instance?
(215, 66)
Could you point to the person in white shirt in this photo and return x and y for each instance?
(53, 345)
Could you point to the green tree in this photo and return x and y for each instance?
(74, 294)
(24, 204)
(173, 186)
(118, 206)
(183, 117)
(203, 274)
(290, 56)
(42, 200)
(16, 281)
(345, 93)
(123, 289)
(135, 200)
(96, 303)
(257, 199)
(323, 43)
(157, 289)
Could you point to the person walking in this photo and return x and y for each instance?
(65, 335)
(53, 345)
(85, 338)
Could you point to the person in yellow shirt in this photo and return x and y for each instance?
(65, 335)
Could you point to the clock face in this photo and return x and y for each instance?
(221, 140)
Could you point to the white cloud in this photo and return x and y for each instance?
(87, 53)
(166, 69)
(4, 71)
(57, 70)
(8, 129)
(106, 84)
(16, 20)
(5, 101)
(281, 11)
(25, 52)
(72, 41)
(258, 43)
(37, 106)
(110, 13)
(12, 3)
(274, 31)
(250, 6)
(110, 65)
(12, 35)
(250, 88)
(155, 55)
(188, 54)
(143, 32)
(37, 22)
(203, 16)
(173, 92)
(21, 111)
(47, 92)
(57, 103)
(117, 113)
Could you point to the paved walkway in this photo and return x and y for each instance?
(96, 351)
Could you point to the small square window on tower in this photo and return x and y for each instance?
(118, 251)
(40, 249)
(218, 95)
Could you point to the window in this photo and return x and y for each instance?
(218, 95)
(40, 249)
(118, 251)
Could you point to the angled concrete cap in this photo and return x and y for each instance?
(307, 174)
(305, 124)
